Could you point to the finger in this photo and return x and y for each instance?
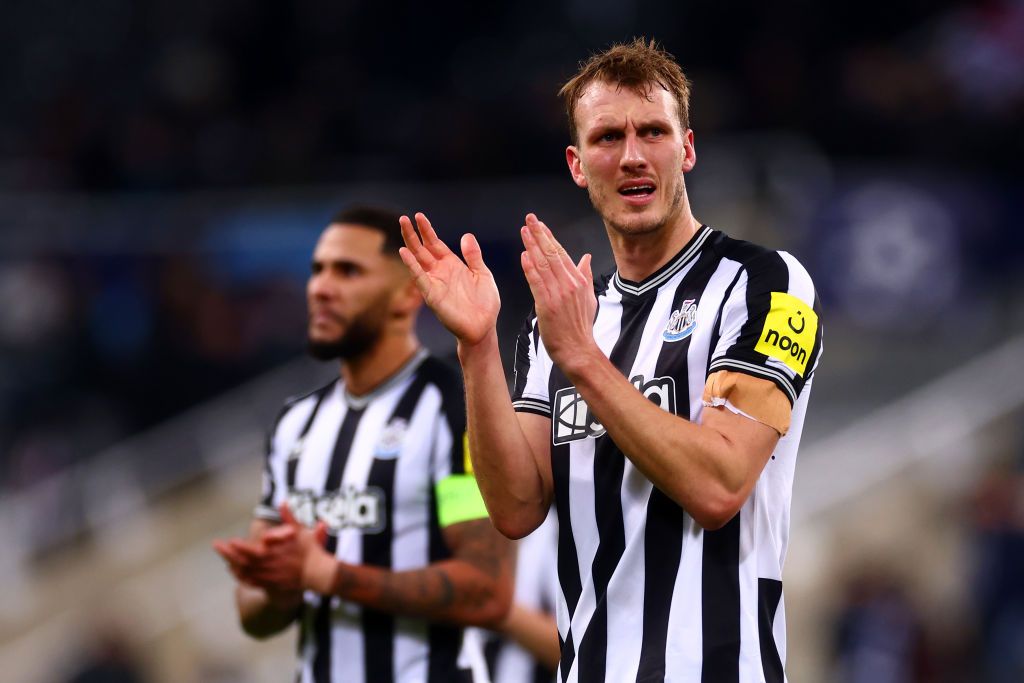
(561, 265)
(225, 551)
(431, 241)
(280, 534)
(235, 560)
(247, 552)
(533, 278)
(320, 533)
(414, 244)
(585, 271)
(286, 515)
(538, 260)
(471, 253)
(565, 262)
(410, 261)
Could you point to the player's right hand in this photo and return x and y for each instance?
(463, 296)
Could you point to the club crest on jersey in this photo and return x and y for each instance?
(682, 322)
(346, 508)
(573, 420)
(391, 438)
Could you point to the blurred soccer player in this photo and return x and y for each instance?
(526, 649)
(660, 408)
(371, 532)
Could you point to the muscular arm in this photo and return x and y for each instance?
(709, 468)
(510, 451)
(536, 632)
(473, 588)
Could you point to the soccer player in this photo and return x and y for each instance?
(526, 649)
(371, 532)
(660, 408)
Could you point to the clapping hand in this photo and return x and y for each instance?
(462, 295)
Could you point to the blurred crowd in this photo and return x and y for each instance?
(885, 630)
(921, 106)
(157, 95)
(95, 348)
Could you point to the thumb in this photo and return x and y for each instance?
(584, 268)
(320, 533)
(471, 252)
(286, 515)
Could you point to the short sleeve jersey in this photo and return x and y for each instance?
(645, 593)
(385, 472)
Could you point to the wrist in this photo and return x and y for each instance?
(321, 571)
(470, 351)
(577, 361)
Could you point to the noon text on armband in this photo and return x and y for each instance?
(344, 508)
(573, 421)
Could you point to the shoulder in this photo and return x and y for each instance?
(770, 267)
(443, 375)
(299, 406)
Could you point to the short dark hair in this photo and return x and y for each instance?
(379, 218)
(639, 65)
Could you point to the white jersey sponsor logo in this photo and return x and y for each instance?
(573, 420)
(345, 508)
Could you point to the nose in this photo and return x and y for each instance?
(633, 158)
(317, 287)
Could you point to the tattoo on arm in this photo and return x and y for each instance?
(465, 588)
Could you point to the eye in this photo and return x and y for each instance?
(655, 132)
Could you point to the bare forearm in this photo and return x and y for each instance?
(691, 463)
(503, 461)
(261, 616)
(451, 591)
(536, 632)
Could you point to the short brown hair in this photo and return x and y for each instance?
(638, 65)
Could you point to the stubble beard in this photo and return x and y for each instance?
(360, 337)
(652, 225)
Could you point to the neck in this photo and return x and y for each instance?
(364, 373)
(639, 255)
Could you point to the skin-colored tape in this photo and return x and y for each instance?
(459, 500)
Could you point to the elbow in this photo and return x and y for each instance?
(514, 527)
(511, 529)
(716, 511)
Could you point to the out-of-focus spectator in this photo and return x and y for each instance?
(878, 634)
(109, 660)
(998, 543)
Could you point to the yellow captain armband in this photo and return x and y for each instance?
(459, 500)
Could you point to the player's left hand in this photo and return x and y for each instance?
(563, 293)
(285, 559)
(295, 555)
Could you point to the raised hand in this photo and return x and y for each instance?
(462, 295)
(563, 293)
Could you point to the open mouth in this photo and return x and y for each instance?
(639, 190)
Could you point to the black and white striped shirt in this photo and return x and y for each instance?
(646, 593)
(369, 467)
(536, 589)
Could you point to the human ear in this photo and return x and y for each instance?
(575, 162)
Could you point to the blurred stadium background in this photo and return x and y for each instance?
(165, 168)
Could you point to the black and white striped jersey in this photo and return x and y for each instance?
(536, 589)
(370, 467)
(646, 593)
